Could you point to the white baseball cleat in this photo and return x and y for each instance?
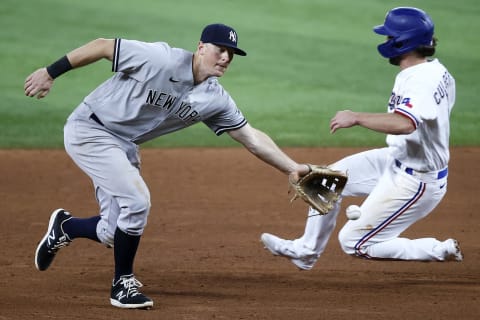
(285, 248)
(453, 250)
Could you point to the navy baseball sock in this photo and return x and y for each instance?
(124, 251)
(82, 228)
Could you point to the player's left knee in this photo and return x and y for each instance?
(133, 218)
(140, 207)
(347, 242)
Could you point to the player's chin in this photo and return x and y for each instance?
(220, 71)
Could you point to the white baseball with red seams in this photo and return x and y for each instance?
(353, 212)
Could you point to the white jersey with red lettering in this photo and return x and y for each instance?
(425, 93)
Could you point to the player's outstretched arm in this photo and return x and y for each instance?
(390, 123)
(40, 81)
(264, 148)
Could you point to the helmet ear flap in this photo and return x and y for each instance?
(398, 45)
(387, 49)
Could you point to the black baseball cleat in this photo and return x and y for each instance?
(54, 240)
(125, 294)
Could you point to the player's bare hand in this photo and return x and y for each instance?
(38, 84)
(343, 119)
(302, 170)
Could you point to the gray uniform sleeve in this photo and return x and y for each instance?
(139, 60)
(228, 117)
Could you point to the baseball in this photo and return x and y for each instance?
(353, 212)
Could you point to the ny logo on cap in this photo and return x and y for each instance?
(232, 36)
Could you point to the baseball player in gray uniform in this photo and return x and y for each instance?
(156, 89)
(403, 182)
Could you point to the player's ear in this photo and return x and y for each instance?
(201, 47)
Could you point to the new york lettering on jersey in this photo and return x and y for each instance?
(160, 99)
(166, 101)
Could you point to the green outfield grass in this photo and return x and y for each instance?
(306, 60)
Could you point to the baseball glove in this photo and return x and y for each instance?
(320, 188)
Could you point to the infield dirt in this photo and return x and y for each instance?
(200, 256)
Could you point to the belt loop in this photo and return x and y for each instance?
(442, 174)
(398, 163)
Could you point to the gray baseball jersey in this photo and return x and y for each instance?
(152, 93)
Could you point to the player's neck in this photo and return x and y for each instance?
(196, 70)
(410, 60)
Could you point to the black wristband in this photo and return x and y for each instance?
(59, 67)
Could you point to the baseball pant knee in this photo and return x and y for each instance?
(347, 241)
(133, 218)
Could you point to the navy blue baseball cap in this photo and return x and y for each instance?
(222, 35)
